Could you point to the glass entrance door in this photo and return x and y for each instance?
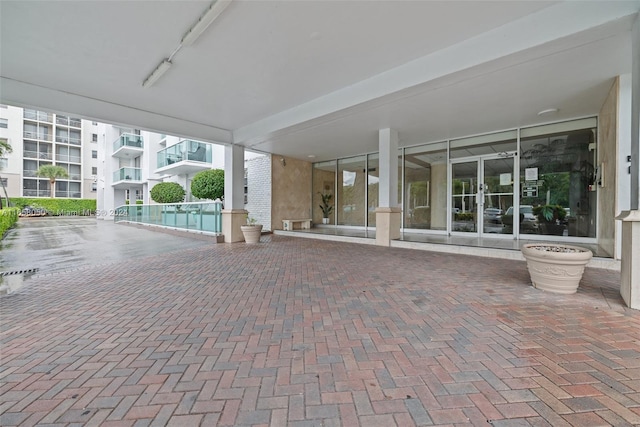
(481, 193)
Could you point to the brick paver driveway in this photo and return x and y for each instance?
(301, 332)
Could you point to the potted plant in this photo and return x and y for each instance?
(550, 219)
(556, 267)
(326, 207)
(251, 230)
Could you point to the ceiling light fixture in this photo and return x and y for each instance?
(157, 73)
(216, 8)
(548, 111)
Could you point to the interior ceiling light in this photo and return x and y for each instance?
(548, 111)
(216, 8)
(157, 73)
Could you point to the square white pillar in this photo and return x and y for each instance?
(233, 215)
(388, 214)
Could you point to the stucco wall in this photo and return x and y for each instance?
(607, 155)
(291, 196)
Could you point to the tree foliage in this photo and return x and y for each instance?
(208, 184)
(167, 192)
(52, 172)
(5, 147)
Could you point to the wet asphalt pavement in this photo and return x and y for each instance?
(65, 243)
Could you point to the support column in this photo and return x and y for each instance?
(233, 215)
(630, 273)
(388, 213)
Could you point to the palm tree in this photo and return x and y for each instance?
(5, 147)
(52, 172)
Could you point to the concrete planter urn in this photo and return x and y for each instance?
(555, 267)
(251, 233)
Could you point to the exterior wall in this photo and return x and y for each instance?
(13, 134)
(607, 155)
(259, 188)
(290, 198)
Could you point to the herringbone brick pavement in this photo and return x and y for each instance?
(299, 332)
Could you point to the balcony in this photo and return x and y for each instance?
(29, 154)
(68, 121)
(39, 116)
(128, 146)
(127, 177)
(184, 158)
(37, 135)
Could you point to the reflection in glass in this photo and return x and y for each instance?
(372, 188)
(556, 173)
(425, 187)
(464, 186)
(324, 175)
(351, 191)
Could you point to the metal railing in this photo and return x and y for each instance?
(186, 149)
(36, 193)
(38, 116)
(37, 155)
(38, 135)
(200, 216)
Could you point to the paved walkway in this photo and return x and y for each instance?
(299, 332)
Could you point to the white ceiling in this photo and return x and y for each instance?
(319, 78)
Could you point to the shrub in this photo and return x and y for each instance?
(8, 217)
(208, 184)
(81, 207)
(167, 192)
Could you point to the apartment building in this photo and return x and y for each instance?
(131, 162)
(39, 138)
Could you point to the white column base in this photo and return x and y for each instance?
(388, 222)
(630, 271)
(231, 221)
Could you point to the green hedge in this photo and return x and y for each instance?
(81, 207)
(8, 217)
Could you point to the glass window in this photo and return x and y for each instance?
(94, 137)
(556, 176)
(94, 170)
(94, 154)
(493, 143)
(3, 123)
(351, 191)
(324, 182)
(425, 187)
(373, 174)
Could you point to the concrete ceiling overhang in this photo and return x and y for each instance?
(314, 77)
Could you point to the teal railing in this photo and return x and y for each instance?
(185, 150)
(201, 216)
(127, 174)
(127, 140)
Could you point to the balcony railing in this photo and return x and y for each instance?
(128, 140)
(38, 116)
(185, 150)
(30, 173)
(68, 121)
(38, 135)
(76, 123)
(201, 216)
(37, 155)
(70, 194)
(127, 174)
(68, 158)
(36, 193)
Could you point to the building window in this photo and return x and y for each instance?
(4, 162)
(94, 123)
(94, 170)
(94, 137)
(94, 154)
(3, 182)
(3, 123)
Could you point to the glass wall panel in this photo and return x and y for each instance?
(351, 191)
(372, 188)
(493, 143)
(556, 176)
(324, 182)
(425, 187)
